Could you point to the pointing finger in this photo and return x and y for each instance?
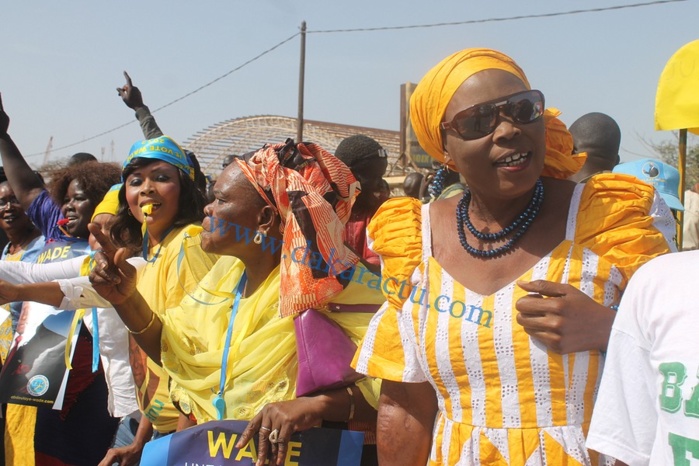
(104, 240)
(128, 79)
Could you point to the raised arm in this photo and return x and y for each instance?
(404, 428)
(133, 99)
(24, 182)
(27, 272)
(115, 280)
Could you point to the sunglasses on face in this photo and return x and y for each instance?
(481, 120)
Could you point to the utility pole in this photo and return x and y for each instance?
(47, 152)
(302, 66)
(682, 163)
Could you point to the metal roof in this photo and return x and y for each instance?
(241, 135)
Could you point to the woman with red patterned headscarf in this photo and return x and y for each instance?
(230, 347)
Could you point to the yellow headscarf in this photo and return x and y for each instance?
(110, 202)
(435, 90)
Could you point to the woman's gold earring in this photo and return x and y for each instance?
(258, 238)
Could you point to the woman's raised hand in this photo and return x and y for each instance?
(112, 277)
(130, 94)
(4, 119)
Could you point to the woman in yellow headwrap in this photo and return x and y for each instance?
(230, 347)
(499, 300)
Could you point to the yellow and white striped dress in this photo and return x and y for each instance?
(503, 398)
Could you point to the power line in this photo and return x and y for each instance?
(384, 28)
(230, 72)
(494, 20)
(257, 57)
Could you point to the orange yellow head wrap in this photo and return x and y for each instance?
(313, 193)
(435, 90)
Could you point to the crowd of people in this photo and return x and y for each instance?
(510, 317)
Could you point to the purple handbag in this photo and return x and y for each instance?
(324, 350)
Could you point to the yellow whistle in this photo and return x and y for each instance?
(147, 209)
(193, 230)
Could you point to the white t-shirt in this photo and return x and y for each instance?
(647, 411)
(113, 336)
(690, 228)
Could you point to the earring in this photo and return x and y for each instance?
(129, 213)
(437, 185)
(258, 238)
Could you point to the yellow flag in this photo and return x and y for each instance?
(677, 98)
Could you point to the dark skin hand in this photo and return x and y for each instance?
(130, 94)
(4, 119)
(298, 415)
(563, 318)
(130, 454)
(112, 277)
(24, 182)
(115, 280)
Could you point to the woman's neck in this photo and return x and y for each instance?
(257, 270)
(490, 211)
(157, 235)
(20, 238)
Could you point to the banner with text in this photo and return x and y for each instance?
(213, 444)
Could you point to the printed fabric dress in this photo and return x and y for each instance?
(503, 398)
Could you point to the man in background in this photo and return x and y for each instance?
(599, 136)
(367, 160)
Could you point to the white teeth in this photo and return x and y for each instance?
(513, 160)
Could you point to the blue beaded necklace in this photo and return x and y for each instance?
(516, 228)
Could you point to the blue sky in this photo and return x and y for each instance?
(62, 61)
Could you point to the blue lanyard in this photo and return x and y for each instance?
(95, 327)
(95, 341)
(218, 401)
(144, 246)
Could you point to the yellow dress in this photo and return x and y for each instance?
(262, 362)
(163, 282)
(503, 398)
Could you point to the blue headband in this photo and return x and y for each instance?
(162, 148)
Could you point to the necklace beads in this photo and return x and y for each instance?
(516, 229)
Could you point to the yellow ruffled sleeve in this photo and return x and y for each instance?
(395, 234)
(622, 220)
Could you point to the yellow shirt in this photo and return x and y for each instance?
(262, 362)
(163, 283)
(503, 397)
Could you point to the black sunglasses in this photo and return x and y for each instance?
(482, 119)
